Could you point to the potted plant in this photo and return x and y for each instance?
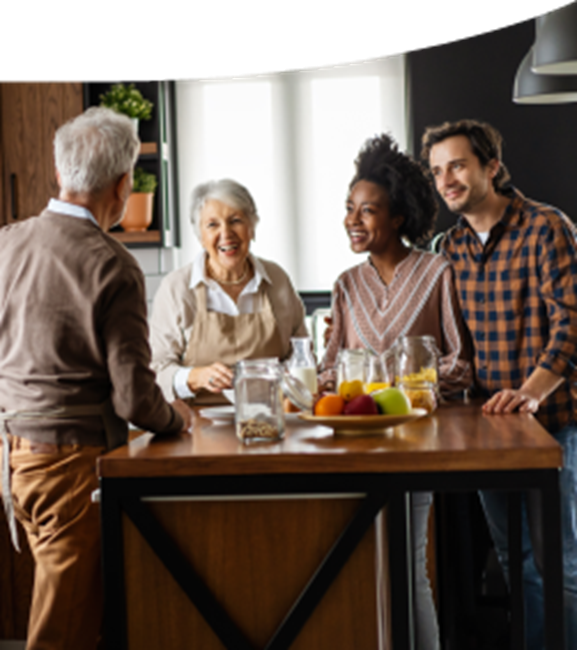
(129, 101)
(138, 214)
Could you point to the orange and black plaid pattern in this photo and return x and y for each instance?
(518, 295)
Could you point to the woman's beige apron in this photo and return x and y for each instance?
(228, 339)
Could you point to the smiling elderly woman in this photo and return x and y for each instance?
(225, 306)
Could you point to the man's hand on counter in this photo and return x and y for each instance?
(186, 414)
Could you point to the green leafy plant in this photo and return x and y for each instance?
(127, 100)
(143, 181)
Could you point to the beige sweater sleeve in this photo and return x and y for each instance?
(171, 324)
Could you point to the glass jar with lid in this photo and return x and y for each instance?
(259, 413)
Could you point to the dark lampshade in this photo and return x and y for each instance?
(531, 88)
(555, 49)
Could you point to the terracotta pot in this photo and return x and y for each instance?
(138, 215)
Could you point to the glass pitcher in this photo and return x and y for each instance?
(417, 370)
(377, 372)
(259, 414)
(301, 363)
(351, 373)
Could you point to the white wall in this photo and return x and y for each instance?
(291, 138)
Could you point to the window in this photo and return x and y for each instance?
(291, 138)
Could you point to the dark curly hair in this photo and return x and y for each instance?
(410, 191)
(486, 143)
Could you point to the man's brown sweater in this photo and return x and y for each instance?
(73, 330)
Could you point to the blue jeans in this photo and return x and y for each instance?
(495, 506)
(427, 628)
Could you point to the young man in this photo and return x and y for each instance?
(74, 367)
(515, 263)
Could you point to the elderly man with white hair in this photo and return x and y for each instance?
(74, 368)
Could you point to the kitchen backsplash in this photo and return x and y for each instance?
(155, 264)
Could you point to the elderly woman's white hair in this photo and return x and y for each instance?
(94, 149)
(227, 191)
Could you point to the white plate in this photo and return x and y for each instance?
(218, 413)
(225, 414)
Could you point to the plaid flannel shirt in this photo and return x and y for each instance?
(518, 295)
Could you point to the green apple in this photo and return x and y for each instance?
(392, 401)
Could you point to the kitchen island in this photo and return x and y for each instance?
(210, 543)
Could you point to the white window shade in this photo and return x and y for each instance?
(291, 139)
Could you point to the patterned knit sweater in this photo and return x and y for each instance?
(420, 300)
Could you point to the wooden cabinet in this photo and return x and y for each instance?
(16, 577)
(157, 156)
(30, 114)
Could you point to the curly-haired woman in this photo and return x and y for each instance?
(398, 290)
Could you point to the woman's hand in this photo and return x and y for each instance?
(213, 378)
(327, 387)
(328, 331)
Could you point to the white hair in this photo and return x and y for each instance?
(227, 191)
(93, 150)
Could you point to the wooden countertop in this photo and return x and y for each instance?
(456, 437)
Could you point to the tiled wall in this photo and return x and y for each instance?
(155, 264)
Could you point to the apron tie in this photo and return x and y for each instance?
(56, 413)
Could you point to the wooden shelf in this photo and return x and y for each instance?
(146, 237)
(148, 148)
(154, 158)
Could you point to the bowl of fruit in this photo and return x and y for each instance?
(353, 412)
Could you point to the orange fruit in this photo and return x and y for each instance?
(330, 405)
(351, 389)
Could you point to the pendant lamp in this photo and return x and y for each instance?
(555, 49)
(532, 88)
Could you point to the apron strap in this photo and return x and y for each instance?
(7, 488)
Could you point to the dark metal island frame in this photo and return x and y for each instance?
(209, 543)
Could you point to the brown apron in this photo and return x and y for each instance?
(228, 339)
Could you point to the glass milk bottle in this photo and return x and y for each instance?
(301, 363)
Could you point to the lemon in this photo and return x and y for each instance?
(348, 390)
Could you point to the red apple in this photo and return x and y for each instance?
(361, 405)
